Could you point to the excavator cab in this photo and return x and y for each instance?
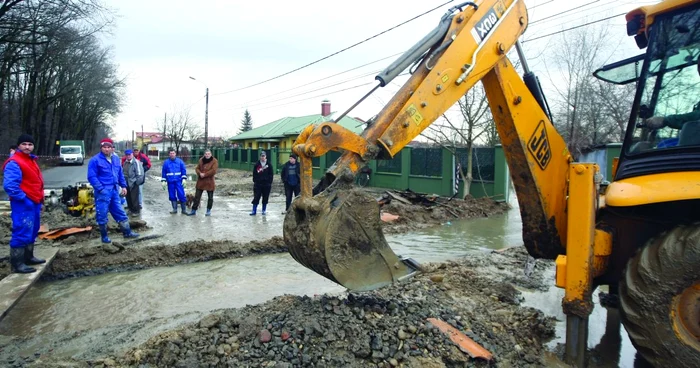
(653, 203)
(666, 110)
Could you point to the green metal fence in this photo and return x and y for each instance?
(425, 170)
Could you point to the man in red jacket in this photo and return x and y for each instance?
(24, 185)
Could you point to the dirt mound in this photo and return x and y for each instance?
(5, 229)
(86, 261)
(383, 328)
(412, 216)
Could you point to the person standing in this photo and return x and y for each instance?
(107, 179)
(134, 176)
(13, 149)
(174, 174)
(206, 169)
(262, 183)
(291, 177)
(24, 184)
(146, 163)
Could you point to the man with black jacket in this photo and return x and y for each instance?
(291, 177)
(262, 183)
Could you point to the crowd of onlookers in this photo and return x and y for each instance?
(117, 181)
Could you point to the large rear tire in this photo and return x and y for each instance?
(660, 299)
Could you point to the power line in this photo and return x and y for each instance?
(313, 90)
(338, 52)
(579, 26)
(362, 76)
(587, 15)
(310, 98)
(328, 77)
(307, 92)
(565, 11)
(538, 5)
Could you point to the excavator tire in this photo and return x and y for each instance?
(660, 299)
(338, 235)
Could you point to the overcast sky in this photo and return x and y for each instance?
(229, 45)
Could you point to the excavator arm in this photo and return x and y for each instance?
(335, 230)
(469, 45)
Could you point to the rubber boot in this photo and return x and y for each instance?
(126, 230)
(255, 210)
(174, 204)
(208, 212)
(183, 206)
(264, 209)
(29, 256)
(103, 234)
(17, 261)
(192, 213)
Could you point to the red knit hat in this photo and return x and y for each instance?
(107, 142)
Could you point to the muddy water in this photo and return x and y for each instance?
(607, 339)
(119, 298)
(115, 299)
(457, 238)
(123, 298)
(229, 220)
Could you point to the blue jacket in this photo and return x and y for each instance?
(105, 172)
(173, 170)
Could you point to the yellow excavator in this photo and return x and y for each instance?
(639, 234)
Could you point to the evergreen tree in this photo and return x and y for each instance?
(247, 122)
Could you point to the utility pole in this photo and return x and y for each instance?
(132, 139)
(206, 114)
(206, 121)
(142, 138)
(165, 121)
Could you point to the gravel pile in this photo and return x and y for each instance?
(383, 328)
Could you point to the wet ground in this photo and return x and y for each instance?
(89, 302)
(117, 311)
(63, 176)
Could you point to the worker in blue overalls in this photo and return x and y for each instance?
(24, 185)
(174, 174)
(107, 180)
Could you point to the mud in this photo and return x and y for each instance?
(382, 328)
(116, 257)
(338, 234)
(413, 217)
(82, 255)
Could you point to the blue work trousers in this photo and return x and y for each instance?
(108, 201)
(176, 192)
(26, 219)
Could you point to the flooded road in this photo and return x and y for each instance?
(122, 298)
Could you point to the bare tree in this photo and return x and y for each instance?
(587, 112)
(476, 126)
(56, 81)
(179, 127)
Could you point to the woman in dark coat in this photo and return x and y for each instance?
(262, 183)
(206, 169)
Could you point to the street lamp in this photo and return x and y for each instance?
(133, 142)
(165, 122)
(206, 115)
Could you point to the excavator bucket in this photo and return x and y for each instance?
(338, 235)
